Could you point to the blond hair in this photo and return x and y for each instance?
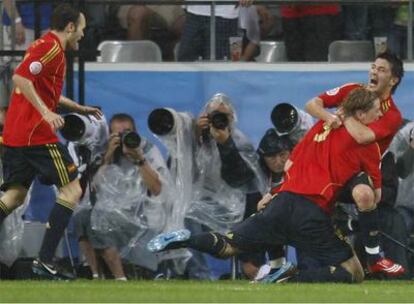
(359, 99)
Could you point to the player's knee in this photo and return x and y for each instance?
(364, 197)
(14, 196)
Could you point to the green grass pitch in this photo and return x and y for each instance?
(206, 292)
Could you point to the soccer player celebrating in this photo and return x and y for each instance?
(318, 168)
(31, 146)
(384, 77)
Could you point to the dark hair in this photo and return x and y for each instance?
(62, 15)
(397, 68)
(122, 117)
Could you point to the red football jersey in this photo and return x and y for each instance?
(385, 128)
(44, 64)
(325, 160)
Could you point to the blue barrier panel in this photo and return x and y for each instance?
(254, 89)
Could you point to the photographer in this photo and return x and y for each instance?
(403, 148)
(130, 189)
(213, 166)
(216, 126)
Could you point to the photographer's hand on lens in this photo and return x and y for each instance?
(202, 127)
(97, 113)
(202, 122)
(113, 143)
(54, 120)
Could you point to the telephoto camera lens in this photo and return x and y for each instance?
(284, 117)
(161, 121)
(131, 139)
(219, 120)
(74, 127)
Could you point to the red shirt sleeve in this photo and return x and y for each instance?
(387, 125)
(371, 160)
(37, 59)
(334, 97)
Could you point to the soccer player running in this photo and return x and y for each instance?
(384, 77)
(299, 215)
(31, 146)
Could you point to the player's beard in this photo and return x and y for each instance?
(73, 44)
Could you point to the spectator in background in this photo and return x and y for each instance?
(254, 21)
(355, 22)
(97, 30)
(23, 17)
(249, 29)
(309, 29)
(364, 22)
(398, 32)
(137, 19)
(128, 190)
(267, 21)
(195, 39)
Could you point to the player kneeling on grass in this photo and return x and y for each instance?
(299, 215)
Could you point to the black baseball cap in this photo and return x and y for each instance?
(272, 144)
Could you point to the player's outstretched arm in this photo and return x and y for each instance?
(75, 107)
(316, 108)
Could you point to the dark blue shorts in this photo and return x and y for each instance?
(52, 163)
(291, 219)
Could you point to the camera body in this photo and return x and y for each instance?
(130, 139)
(219, 120)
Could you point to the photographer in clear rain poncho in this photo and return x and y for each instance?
(213, 166)
(129, 189)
